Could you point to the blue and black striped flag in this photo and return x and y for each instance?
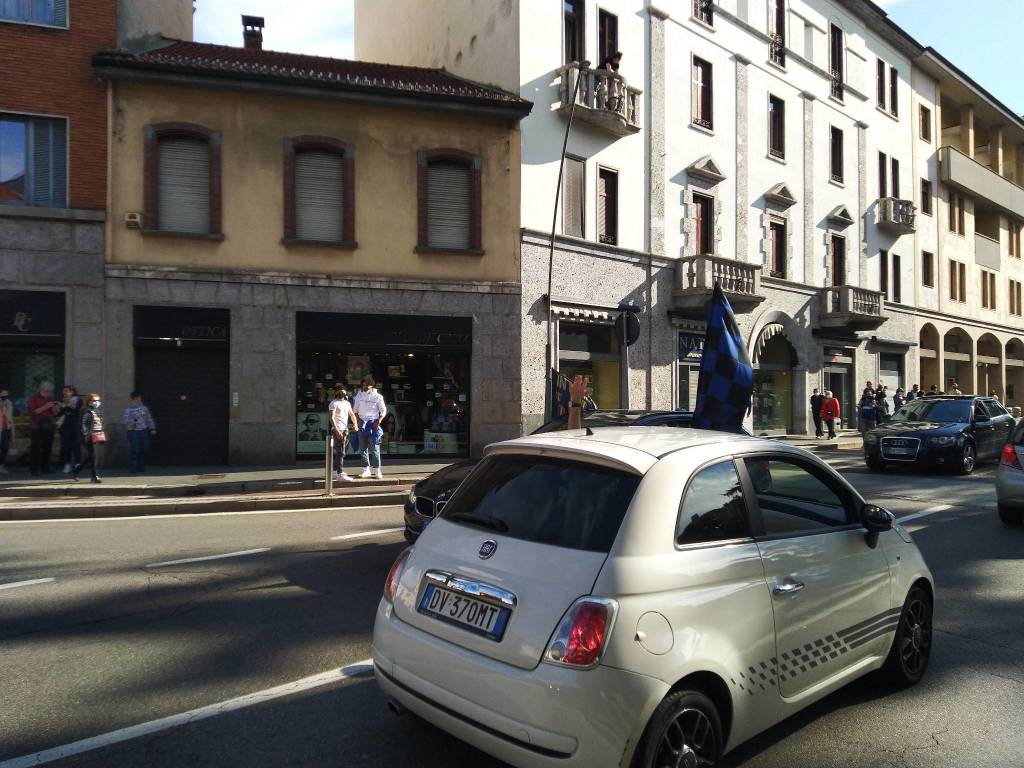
(726, 381)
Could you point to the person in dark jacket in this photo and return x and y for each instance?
(830, 411)
(70, 439)
(867, 412)
(93, 437)
(816, 401)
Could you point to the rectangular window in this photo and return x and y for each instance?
(962, 273)
(776, 127)
(954, 291)
(880, 83)
(897, 279)
(574, 14)
(894, 81)
(777, 33)
(607, 206)
(836, 154)
(702, 97)
(956, 213)
(52, 13)
(1015, 298)
(992, 290)
(607, 35)
(573, 199)
(318, 196)
(927, 269)
(925, 118)
(704, 220)
(183, 185)
(33, 161)
(883, 273)
(926, 197)
(836, 50)
(702, 11)
(778, 246)
(883, 173)
(895, 177)
(838, 260)
(1014, 238)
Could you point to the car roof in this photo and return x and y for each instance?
(634, 449)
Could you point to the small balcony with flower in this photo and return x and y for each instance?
(604, 99)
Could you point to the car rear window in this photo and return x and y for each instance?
(563, 503)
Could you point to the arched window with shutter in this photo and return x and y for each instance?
(182, 180)
(448, 199)
(319, 191)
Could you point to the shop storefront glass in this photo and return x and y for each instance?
(773, 387)
(421, 366)
(691, 350)
(591, 351)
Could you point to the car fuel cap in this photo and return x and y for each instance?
(654, 633)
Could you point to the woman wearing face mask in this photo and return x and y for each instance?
(6, 427)
(93, 436)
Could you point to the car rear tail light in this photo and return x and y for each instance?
(395, 574)
(1010, 457)
(582, 635)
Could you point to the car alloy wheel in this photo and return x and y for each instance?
(912, 646)
(684, 733)
(968, 459)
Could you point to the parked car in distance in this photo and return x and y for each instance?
(645, 597)
(951, 432)
(428, 497)
(1010, 479)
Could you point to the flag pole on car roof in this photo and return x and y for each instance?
(725, 383)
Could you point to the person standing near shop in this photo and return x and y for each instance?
(93, 437)
(881, 404)
(342, 417)
(914, 393)
(830, 411)
(867, 412)
(42, 410)
(370, 411)
(138, 422)
(70, 442)
(816, 401)
(6, 426)
(899, 399)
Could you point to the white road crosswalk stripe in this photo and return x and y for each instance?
(27, 583)
(192, 716)
(209, 557)
(366, 534)
(924, 513)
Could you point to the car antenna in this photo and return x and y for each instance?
(590, 432)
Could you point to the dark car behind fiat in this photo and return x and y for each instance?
(943, 432)
(429, 496)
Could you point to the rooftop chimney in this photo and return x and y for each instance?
(252, 32)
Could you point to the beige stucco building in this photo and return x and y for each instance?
(280, 224)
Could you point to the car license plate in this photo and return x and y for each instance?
(467, 612)
(898, 450)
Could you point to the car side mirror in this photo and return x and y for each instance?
(876, 520)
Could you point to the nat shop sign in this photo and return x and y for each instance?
(691, 347)
(32, 317)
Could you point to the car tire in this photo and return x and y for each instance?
(876, 465)
(1010, 515)
(684, 723)
(912, 645)
(968, 458)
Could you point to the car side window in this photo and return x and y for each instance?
(996, 408)
(980, 409)
(793, 499)
(713, 507)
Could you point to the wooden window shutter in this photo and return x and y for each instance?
(573, 197)
(183, 184)
(47, 171)
(952, 281)
(895, 177)
(963, 280)
(883, 273)
(880, 83)
(894, 91)
(883, 172)
(449, 205)
(897, 279)
(607, 206)
(319, 193)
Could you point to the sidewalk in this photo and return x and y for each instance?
(846, 439)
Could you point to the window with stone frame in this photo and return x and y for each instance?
(448, 201)
(836, 154)
(776, 127)
(702, 97)
(182, 180)
(837, 259)
(319, 191)
(704, 224)
(779, 248)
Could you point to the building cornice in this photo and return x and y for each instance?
(574, 245)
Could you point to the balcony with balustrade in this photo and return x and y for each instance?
(604, 98)
(896, 216)
(695, 282)
(851, 308)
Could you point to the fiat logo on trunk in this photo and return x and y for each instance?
(488, 548)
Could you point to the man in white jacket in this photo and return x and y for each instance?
(370, 410)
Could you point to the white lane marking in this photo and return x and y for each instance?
(366, 534)
(924, 513)
(28, 583)
(209, 557)
(192, 716)
(195, 515)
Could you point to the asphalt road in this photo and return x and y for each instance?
(124, 636)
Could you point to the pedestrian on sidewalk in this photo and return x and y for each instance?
(830, 412)
(882, 404)
(914, 393)
(933, 390)
(6, 426)
(68, 426)
(370, 411)
(816, 401)
(867, 412)
(138, 421)
(342, 417)
(42, 410)
(93, 437)
(954, 388)
(899, 399)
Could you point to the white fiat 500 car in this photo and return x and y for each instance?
(645, 597)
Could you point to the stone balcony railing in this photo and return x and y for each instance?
(604, 98)
(695, 282)
(846, 306)
(898, 216)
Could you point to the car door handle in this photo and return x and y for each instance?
(788, 588)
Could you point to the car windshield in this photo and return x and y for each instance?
(563, 503)
(937, 411)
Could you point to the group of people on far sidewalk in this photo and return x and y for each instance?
(874, 407)
(360, 423)
(78, 422)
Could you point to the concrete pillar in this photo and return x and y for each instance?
(974, 371)
(940, 362)
(967, 130)
(995, 139)
(656, 133)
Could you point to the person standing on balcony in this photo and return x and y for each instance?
(830, 411)
(816, 401)
(612, 85)
(611, 63)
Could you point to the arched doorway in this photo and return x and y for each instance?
(990, 365)
(1014, 394)
(773, 361)
(958, 351)
(928, 356)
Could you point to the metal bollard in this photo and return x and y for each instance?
(329, 479)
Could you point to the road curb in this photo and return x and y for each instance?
(192, 506)
(58, 489)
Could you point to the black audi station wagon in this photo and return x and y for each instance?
(944, 432)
